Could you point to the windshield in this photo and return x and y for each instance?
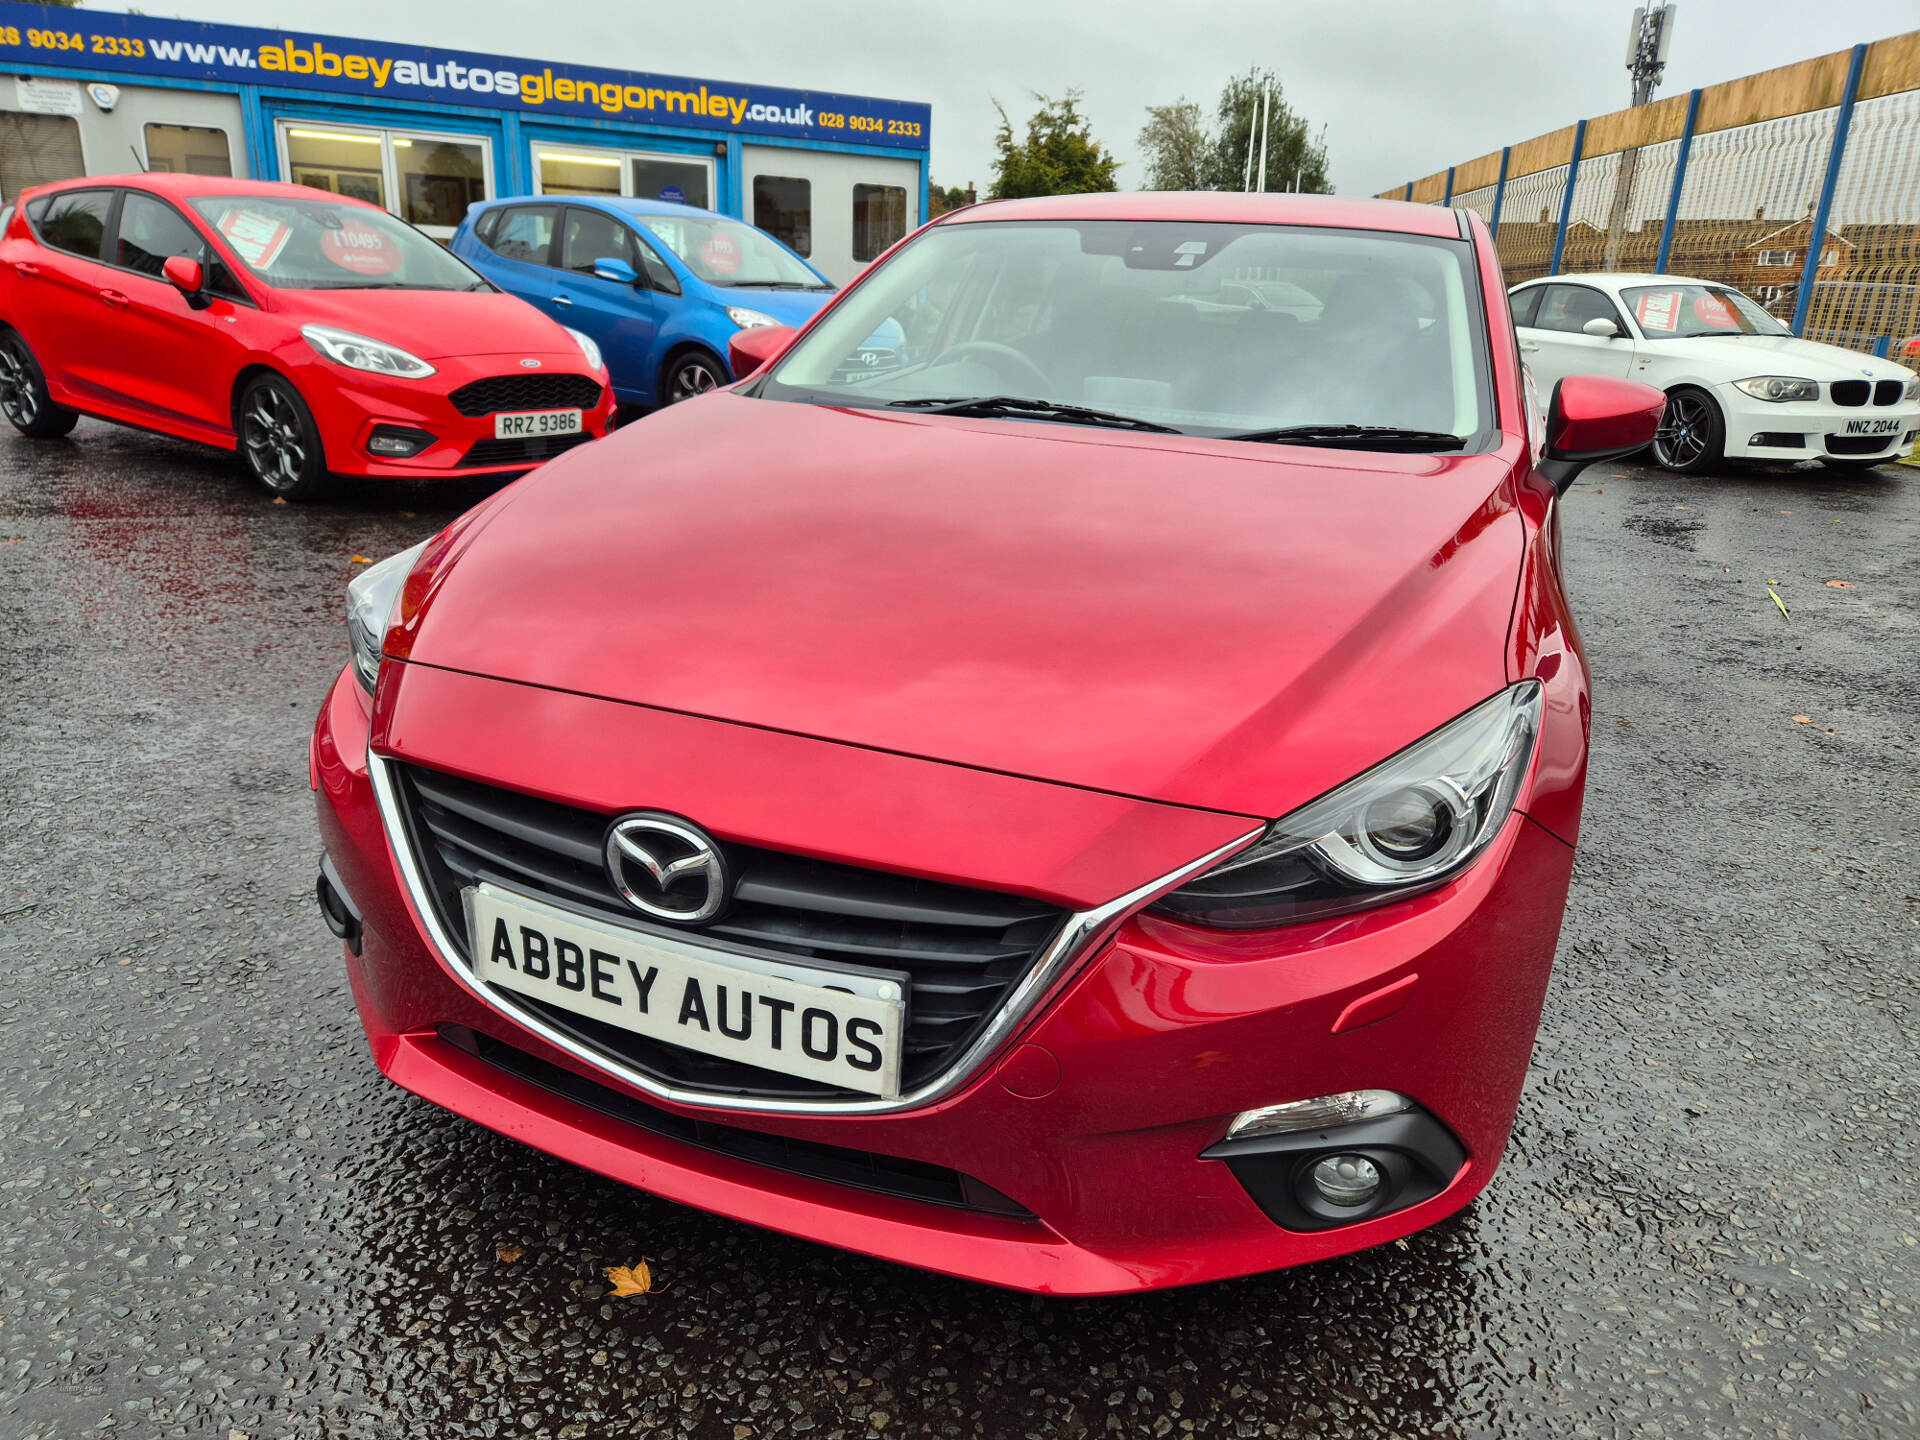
(1206, 328)
(1675, 312)
(323, 245)
(725, 252)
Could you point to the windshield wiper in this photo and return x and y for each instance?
(991, 405)
(1354, 437)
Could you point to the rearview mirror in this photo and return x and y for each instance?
(1601, 326)
(757, 348)
(609, 267)
(1595, 417)
(184, 274)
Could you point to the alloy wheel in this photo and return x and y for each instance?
(275, 446)
(17, 398)
(690, 378)
(1681, 439)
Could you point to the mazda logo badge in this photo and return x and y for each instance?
(667, 868)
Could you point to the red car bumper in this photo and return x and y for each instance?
(1092, 1117)
(349, 407)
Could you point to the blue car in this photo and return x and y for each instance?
(661, 288)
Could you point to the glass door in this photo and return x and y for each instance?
(581, 170)
(426, 178)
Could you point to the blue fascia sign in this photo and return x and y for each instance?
(34, 37)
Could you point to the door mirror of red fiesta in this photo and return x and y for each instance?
(757, 348)
(185, 275)
(1595, 417)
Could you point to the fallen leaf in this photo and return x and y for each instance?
(1683, 507)
(632, 1280)
(1781, 603)
(510, 1253)
(1803, 719)
(1839, 584)
(1783, 512)
(408, 515)
(279, 499)
(361, 560)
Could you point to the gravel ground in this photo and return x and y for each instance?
(217, 1219)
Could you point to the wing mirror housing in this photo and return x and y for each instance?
(610, 267)
(187, 276)
(1604, 328)
(757, 348)
(1596, 417)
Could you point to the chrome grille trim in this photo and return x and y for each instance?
(1082, 934)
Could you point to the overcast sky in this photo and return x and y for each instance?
(1405, 87)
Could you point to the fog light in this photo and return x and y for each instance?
(1346, 1180)
(397, 442)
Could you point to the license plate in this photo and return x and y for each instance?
(843, 1028)
(517, 424)
(1872, 427)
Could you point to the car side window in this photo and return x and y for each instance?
(151, 233)
(74, 221)
(593, 235)
(1524, 304)
(524, 233)
(659, 274)
(1570, 307)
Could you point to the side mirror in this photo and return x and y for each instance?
(609, 267)
(184, 274)
(757, 348)
(1595, 417)
(1601, 326)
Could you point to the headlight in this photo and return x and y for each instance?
(587, 347)
(1779, 387)
(748, 319)
(1912, 392)
(1405, 826)
(371, 599)
(357, 352)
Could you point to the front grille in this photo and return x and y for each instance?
(527, 392)
(861, 1169)
(961, 949)
(1850, 392)
(1888, 392)
(1858, 444)
(527, 450)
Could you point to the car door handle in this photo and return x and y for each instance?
(561, 300)
(26, 268)
(115, 299)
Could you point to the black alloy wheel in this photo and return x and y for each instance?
(691, 374)
(279, 440)
(23, 393)
(1692, 437)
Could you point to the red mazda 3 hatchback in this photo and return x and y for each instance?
(1088, 809)
(315, 334)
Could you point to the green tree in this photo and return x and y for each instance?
(1058, 157)
(1176, 146)
(941, 200)
(1294, 160)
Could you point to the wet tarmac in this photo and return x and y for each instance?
(216, 1219)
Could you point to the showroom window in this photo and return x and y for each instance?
(682, 179)
(426, 179)
(38, 149)
(783, 207)
(879, 219)
(188, 150)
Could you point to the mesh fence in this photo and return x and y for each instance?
(1619, 209)
(1479, 201)
(1530, 222)
(1871, 299)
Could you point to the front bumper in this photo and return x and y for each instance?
(1092, 1117)
(1813, 429)
(349, 406)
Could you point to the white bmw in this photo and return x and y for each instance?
(1739, 384)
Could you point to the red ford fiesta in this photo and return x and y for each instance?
(1089, 809)
(317, 335)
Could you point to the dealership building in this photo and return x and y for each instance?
(426, 132)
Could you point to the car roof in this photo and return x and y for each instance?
(185, 186)
(1615, 279)
(1228, 207)
(618, 204)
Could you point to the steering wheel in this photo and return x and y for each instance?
(991, 350)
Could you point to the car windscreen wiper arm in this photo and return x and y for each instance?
(1354, 437)
(991, 405)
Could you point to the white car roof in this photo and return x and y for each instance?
(1621, 279)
